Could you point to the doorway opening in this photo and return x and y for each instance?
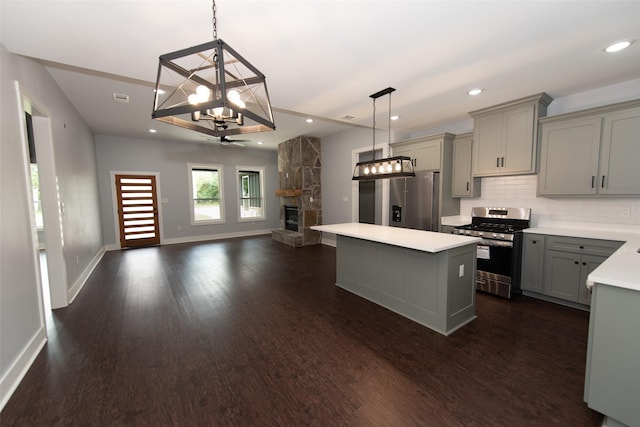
(45, 210)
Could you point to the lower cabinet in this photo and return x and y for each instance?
(558, 266)
(532, 263)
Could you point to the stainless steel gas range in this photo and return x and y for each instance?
(500, 250)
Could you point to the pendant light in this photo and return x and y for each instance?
(212, 89)
(390, 167)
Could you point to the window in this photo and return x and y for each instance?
(206, 204)
(251, 191)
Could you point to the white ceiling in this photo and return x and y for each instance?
(323, 58)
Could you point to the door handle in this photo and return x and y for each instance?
(593, 180)
(502, 162)
(602, 185)
(467, 185)
(497, 162)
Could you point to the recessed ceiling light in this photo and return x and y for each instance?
(309, 120)
(394, 117)
(153, 130)
(259, 142)
(474, 92)
(618, 46)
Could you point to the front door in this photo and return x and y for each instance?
(137, 210)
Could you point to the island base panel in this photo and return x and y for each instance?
(436, 290)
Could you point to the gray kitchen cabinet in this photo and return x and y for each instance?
(505, 136)
(567, 263)
(620, 153)
(464, 184)
(425, 153)
(569, 157)
(591, 152)
(532, 262)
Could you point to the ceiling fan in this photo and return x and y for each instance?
(238, 142)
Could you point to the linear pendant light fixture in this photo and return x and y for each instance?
(212, 89)
(390, 167)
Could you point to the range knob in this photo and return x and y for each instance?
(494, 235)
(502, 236)
(480, 233)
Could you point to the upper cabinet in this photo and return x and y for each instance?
(426, 153)
(505, 136)
(591, 152)
(464, 185)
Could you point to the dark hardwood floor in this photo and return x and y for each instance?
(251, 332)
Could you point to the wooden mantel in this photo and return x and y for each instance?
(296, 192)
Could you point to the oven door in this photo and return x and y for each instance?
(494, 267)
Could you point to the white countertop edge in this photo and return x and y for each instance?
(622, 269)
(456, 220)
(619, 232)
(420, 240)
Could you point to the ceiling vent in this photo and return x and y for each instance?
(121, 97)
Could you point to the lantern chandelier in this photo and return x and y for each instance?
(390, 167)
(212, 89)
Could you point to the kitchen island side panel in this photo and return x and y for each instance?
(415, 284)
(612, 380)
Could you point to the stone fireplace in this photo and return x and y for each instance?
(299, 190)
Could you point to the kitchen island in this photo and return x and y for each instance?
(425, 276)
(612, 380)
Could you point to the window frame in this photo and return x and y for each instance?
(213, 167)
(239, 198)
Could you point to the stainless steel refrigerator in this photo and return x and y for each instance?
(414, 202)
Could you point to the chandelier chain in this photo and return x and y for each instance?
(373, 152)
(214, 21)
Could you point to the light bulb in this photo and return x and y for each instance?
(373, 169)
(389, 168)
(398, 167)
(203, 93)
(234, 97)
(217, 112)
(366, 170)
(193, 99)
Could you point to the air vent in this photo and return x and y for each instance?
(121, 97)
(348, 117)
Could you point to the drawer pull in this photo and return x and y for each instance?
(576, 262)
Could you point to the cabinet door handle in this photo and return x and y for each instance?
(467, 185)
(581, 247)
(602, 185)
(497, 162)
(502, 162)
(593, 181)
(584, 263)
(534, 241)
(576, 262)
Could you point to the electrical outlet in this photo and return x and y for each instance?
(461, 270)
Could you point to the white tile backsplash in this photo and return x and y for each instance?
(520, 192)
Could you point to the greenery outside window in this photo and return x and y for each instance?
(251, 193)
(205, 182)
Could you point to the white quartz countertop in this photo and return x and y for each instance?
(426, 241)
(622, 269)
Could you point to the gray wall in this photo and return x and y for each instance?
(169, 159)
(22, 328)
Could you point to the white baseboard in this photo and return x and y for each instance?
(329, 242)
(73, 292)
(202, 238)
(21, 365)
